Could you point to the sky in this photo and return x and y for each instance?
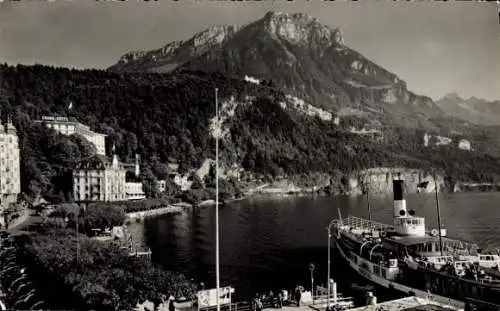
(437, 48)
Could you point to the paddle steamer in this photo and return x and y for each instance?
(407, 257)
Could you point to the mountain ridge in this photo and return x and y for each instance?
(170, 115)
(297, 53)
(474, 110)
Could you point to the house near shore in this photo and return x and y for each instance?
(173, 174)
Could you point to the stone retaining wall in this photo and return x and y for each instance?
(158, 211)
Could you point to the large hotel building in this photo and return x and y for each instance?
(67, 126)
(10, 173)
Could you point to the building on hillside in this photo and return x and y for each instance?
(134, 191)
(464, 144)
(443, 140)
(98, 178)
(67, 126)
(173, 166)
(173, 174)
(135, 167)
(10, 173)
(161, 185)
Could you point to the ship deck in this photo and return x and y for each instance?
(364, 225)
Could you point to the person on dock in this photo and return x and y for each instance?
(171, 306)
(280, 300)
(259, 304)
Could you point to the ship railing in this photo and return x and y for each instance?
(365, 224)
(489, 281)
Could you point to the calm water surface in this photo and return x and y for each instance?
(268, 242)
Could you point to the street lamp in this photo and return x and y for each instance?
(329, 228)
(311, 268)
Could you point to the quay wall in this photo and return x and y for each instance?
(154, 212)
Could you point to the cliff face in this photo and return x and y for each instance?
(175, 53)
(376, 180)
(379, 180)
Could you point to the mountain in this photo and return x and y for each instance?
(473, 110)
(300, 55)
(161, 116)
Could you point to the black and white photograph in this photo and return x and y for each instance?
(201, 155)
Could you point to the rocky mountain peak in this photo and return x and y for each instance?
(214, 35)
(298, 54)
(453, 96)
(473, 99)
(300, 28)
(132, 56)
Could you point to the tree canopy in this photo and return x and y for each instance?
(102, 277)
(162, 116)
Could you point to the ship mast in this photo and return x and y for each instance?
(369, 205)
(439, 215)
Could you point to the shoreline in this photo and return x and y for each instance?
(141, 215)
(255, 192)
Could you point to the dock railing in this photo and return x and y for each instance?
(479, 305)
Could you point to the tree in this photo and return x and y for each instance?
(104, 278)
(210, 177)
(171, 188)
(149, 182)
(102, 216)
(197, 183)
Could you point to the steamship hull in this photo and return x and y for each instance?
(362, 267)
(407, 257)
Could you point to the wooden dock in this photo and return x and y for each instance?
(408, 303)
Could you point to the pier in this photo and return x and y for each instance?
(408, 303)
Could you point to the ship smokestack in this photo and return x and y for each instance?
(399, 201)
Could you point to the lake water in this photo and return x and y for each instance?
(268, 242)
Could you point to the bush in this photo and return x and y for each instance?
(103, 278)
(102, 216)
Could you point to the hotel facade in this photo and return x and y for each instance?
(98, 178)
(68, 127)
(10, 173)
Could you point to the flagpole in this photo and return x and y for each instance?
(217, 275)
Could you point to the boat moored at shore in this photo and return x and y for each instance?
(411, 259)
